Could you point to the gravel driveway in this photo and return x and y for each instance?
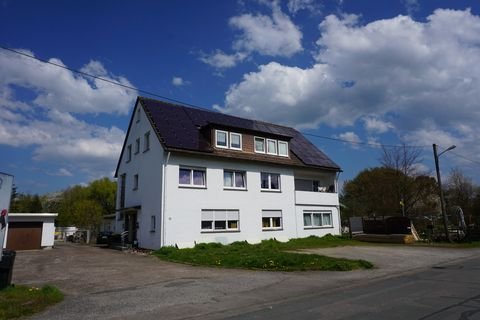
(108, 284)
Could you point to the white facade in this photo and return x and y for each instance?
(168, 213)
(48, 225)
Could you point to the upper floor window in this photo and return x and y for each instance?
(137, 146)
(194, 177)
(235, 141)
(283, 148)
(270, 181)
(146, 142)
(259, 145)
(228, 140)
(221, 138)
(317, 219)
(234, 179)
(129, 152)
(271, 146)
(138, 114)
(153, 224)
(135, 182)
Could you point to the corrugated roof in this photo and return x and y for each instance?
(180, 127)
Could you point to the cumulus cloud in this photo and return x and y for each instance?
(178, 81)
(45, 119)
(274, 35)
(422, 76)
(61, 89)
(221, 60)
(297, 5)
(351, 137)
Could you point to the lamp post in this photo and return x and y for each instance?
(439, 180)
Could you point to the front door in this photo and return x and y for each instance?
(131, 226)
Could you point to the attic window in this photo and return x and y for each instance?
(271, 146)
(221, 138)
(138, 114)
(283, 148)
(259, 145)
(235, 141)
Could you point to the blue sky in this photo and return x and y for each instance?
(386, 72)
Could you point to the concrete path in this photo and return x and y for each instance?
(107, 284)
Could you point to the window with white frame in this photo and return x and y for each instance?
(214, 220)
(153, 224)
(259, 145)
(234, 179)
(221, 139)
(283, 148)
(271, 219)
(192, 177)
(137, 146)
(271, 146)
(235, 141)
(129, 153)
(270, 181)
(317, 219)
(146, 142)
(135, 182)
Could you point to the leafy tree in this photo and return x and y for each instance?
(460, 191)
(103, 192)
(26, 203)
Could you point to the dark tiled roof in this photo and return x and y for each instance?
(185, 128)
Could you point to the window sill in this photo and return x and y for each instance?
(187, 186)
(325, 227)
(271, 190)
(152, 231)
(219, 231)
(146, 150)
(235, 189)
(272, 229)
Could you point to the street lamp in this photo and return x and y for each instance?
(442, 201)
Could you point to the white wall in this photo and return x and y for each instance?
(148, 165)
(184, 205)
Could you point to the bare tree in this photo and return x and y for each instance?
(403, 159)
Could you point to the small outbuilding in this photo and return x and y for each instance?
(29, 231)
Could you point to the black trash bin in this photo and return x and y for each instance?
(6, 268)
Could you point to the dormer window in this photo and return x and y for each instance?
(235, 141)
(221, 139)
(259, 145)
(228, 140)
(283, 148)
(271, 146)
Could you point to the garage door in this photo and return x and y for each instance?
(24, 235)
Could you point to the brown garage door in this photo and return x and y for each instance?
(24, 235)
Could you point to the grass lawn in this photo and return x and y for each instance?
(268, 255)
(19, 301)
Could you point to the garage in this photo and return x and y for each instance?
(30, 231)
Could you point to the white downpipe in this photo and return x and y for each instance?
(164, 191)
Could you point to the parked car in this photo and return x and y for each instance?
(104, 237)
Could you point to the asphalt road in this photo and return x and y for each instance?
(446, 292)
(108, 284)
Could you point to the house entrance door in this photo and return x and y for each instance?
(131, 226)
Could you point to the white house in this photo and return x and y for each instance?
(188, 175)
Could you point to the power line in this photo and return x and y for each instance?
(198, 107)
(465, 158)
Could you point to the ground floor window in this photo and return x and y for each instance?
(317, 218)
(271, 219)
(220, 220)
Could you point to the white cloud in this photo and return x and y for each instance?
(178, 81)
(47, 122)
(221, 60)
(297, 5)
(63, 90)
(422, 76)
(351, 137)
(376, 125)
(274, 36)
(411, 6)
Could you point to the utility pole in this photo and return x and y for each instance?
(439, 180)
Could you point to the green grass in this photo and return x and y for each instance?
(19, 301)
(268, 255)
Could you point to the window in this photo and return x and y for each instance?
(234, 179)
(123, 182)
(138, 115)
(137, 146)
(259, 145)
(129, 153)
(270, 181)
(283, 148)
(135, 182)
(316, 219)
(235, 141)
(220, 220)
(146, 142)
(152, 224)
(221, 139)
(271, 219)
(271, 146)
(192, 177)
